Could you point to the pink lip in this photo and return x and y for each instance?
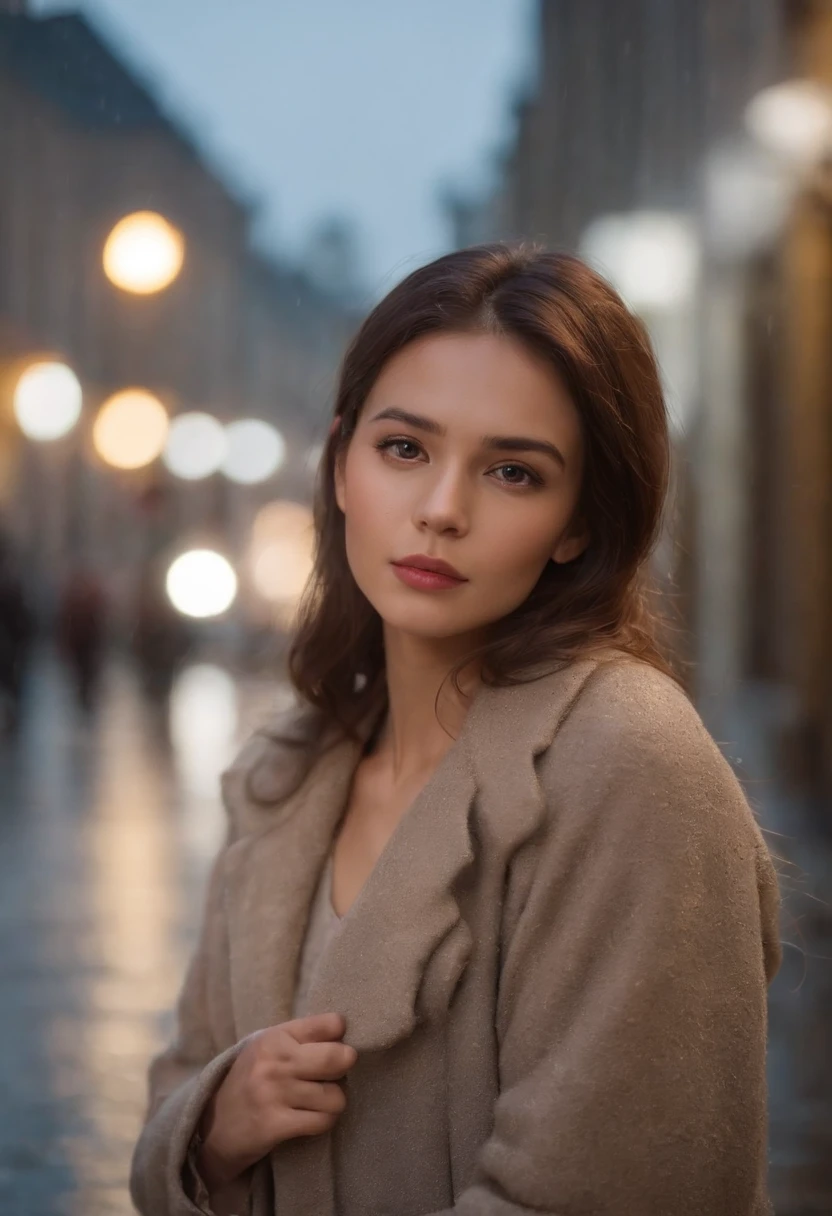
(425, 580)
(421, 561)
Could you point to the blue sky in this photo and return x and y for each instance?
(360, 107)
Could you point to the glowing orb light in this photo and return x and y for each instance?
(255, 451)
(282, 550)
(651, 257)
(131, 429)
(196, 445)
(47, 400)
(793, 119)
(201, 583)
(143, 253)
(203, 720)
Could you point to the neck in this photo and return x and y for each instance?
(418, 729)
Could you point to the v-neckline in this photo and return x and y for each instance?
(330, 867)
(445, 761)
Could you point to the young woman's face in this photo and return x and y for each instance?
(430, 484)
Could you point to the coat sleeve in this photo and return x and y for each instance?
(184, 1077)
(632, 998)
(181, 1081)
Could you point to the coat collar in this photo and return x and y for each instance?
(403, 946)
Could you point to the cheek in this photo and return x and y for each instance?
(519, 543)
(366, 504)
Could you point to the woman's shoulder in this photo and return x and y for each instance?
(625, 702)
(634, 771)
(269, 767)
(634, 731)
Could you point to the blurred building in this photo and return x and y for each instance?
(652, 144)
(83, 143)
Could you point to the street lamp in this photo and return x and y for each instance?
(130, 429)
(748, 193)
(201, 583)
(651, 257)
(282, 549)
(196, 445)
(255, 451)
(793, 120)
(47, 400)
(143, 253)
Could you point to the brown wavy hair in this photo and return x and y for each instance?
(561, 309)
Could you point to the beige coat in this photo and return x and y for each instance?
(555, 976)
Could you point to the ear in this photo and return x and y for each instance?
(338, 479)
(572, 543)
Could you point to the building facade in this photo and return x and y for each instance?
(639, 110)
(83, 143)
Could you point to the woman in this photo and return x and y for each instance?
(494, 924)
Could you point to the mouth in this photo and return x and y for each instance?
(430, 565)
(423, 579)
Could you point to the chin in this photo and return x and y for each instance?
(429, 620)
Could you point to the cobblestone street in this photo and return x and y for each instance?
(106, 832)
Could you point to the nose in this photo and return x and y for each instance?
(443, 505)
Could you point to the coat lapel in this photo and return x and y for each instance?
(376, 970)
(270, 880)
(404, 944)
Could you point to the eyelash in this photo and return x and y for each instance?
(535, 478)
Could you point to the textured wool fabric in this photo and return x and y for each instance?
(322, 926)
(555, 975)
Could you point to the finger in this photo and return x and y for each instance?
(316, 1095)
(310, 1123)
(323, 1061)
(316, 1027)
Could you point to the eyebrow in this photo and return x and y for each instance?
(503, 443)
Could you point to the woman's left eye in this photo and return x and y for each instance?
(533, 478)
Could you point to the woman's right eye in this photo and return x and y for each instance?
(384, 444)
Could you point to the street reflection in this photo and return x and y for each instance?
(204, 721)
(106, 838)
(132, 953)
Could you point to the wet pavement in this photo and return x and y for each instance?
(798, 832)
(106, 833)
(107, 829)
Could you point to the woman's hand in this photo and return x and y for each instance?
(283, 1084)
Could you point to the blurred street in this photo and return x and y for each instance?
(201, 203)
(107, 826)
(796, 830)
(105, 835)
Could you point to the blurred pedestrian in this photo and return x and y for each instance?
(81, 630)
(161, 638)
(17, 628)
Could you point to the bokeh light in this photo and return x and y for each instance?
(131, 429)
(204, 715)
(196, 445)
(143, 253)
(651, 257)
(256, 450)
(201, 583)
(47, 400)
(793, 119)
(282, 550)
(747, 195)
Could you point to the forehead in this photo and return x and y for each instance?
(485, 381)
